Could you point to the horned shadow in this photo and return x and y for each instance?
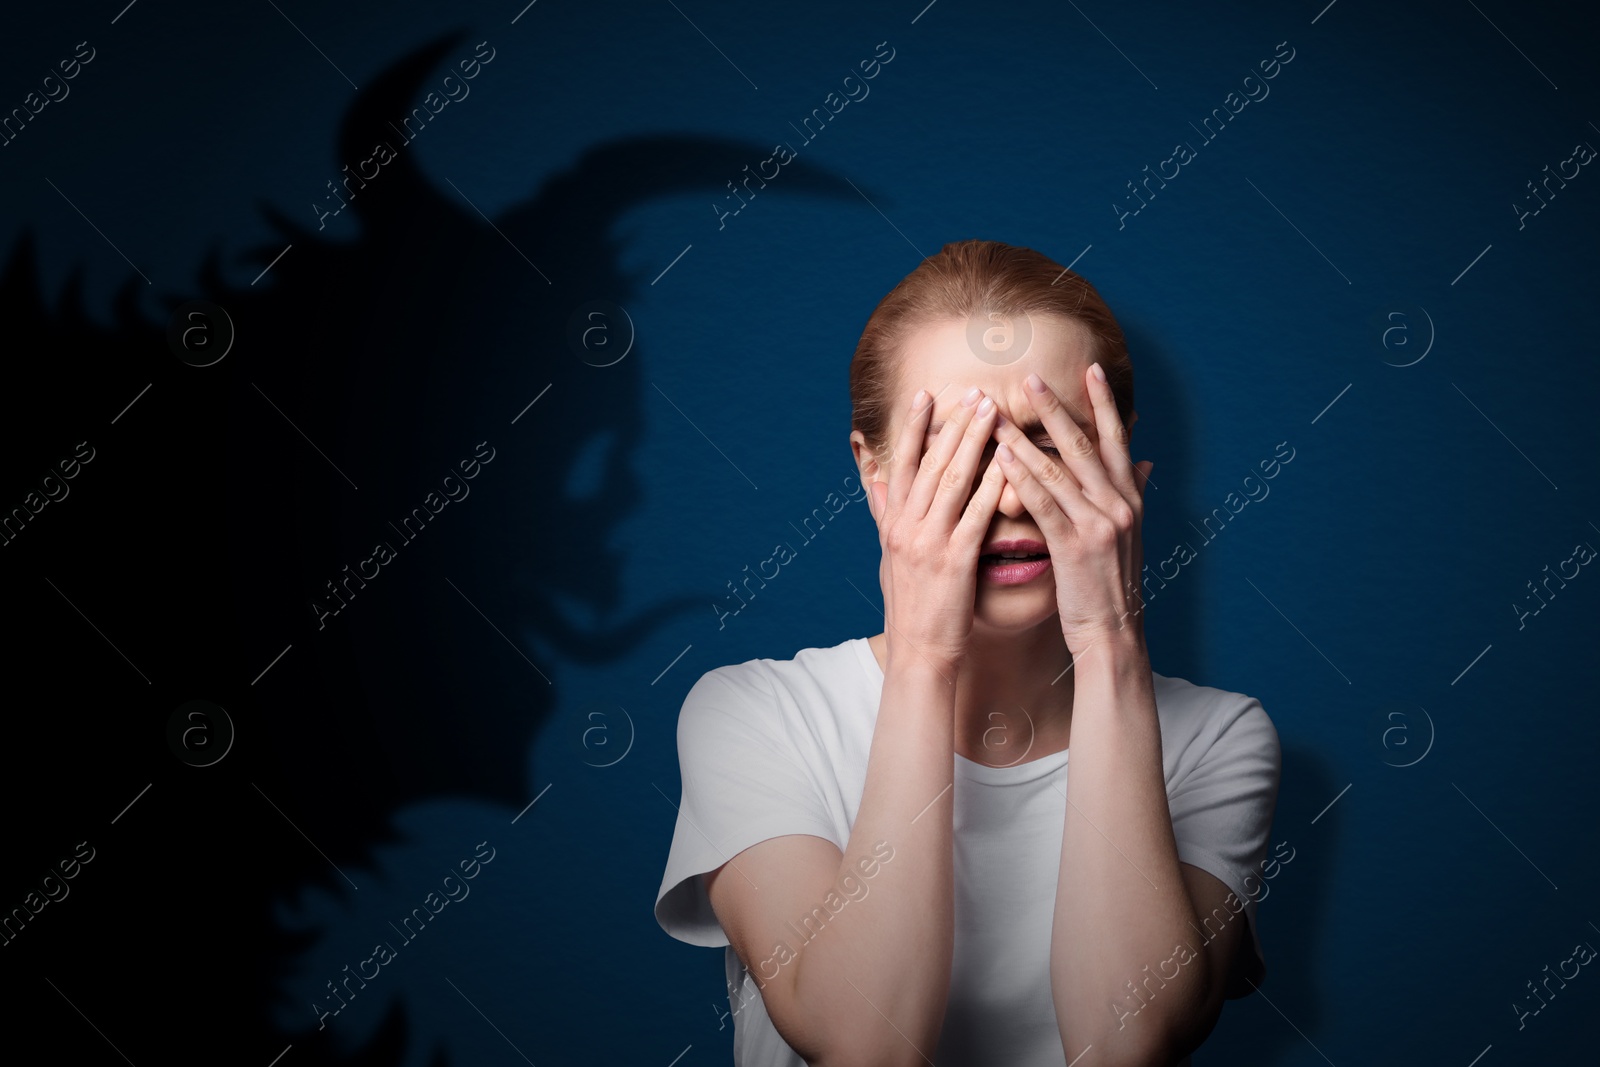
(375, 548)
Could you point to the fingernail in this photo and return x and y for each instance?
(1035, 383)
(972, 396)
(987, 406)
(1004, 452)
(1098, 371)
(916, 401)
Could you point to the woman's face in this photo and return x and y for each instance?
(943, 359)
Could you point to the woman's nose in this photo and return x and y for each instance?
(1010, 503)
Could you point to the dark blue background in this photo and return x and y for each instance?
(1270, 294)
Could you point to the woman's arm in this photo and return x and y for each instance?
(870, 988)
(1124, 904)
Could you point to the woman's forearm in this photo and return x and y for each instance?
(1121, 903)
(877, 981)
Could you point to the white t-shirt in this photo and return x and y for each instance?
(774, 747)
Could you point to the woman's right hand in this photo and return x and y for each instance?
(930, 526)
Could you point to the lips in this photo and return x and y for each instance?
(1014, 548)
(1015, 562)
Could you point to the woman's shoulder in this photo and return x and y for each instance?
(1190, 711)
(1183, 694)
(814, 708)
(812, 676)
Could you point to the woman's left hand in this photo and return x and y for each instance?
(1089, 505)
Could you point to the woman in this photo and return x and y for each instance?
(883, 832)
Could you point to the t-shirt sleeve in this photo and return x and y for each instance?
(743, 783)
(1222, 809)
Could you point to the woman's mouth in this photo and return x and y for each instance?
(1013, 562)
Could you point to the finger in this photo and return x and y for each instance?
(955, 484)
(1054, 478)
(944, 445)
(1078, 451)
(1113, 435)
(974, 525)
(1045, 488)
(908, 450)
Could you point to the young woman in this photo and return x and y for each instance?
(884, 832)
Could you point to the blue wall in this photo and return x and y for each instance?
(1352, 266)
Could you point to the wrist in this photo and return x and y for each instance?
(1113, 648)
(920, 667)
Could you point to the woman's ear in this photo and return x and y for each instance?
(866, 461)
(874, 470)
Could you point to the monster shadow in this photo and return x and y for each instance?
(379, 710)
